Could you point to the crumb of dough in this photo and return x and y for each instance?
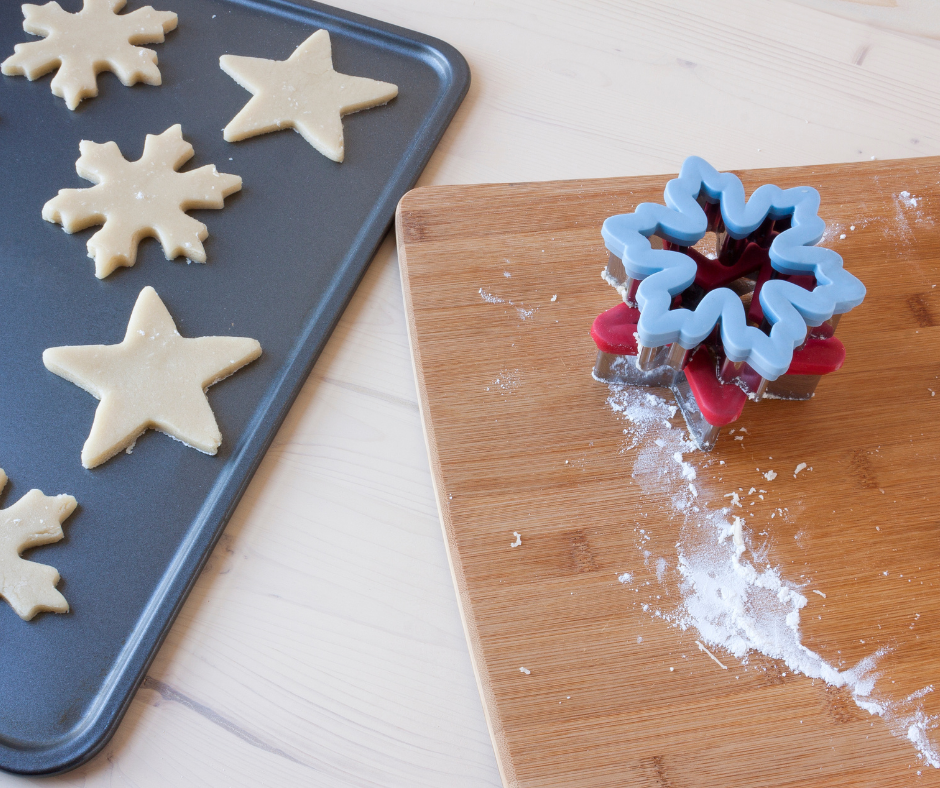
(702, 648)
(738, 532)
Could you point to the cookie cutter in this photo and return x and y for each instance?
(755, 319)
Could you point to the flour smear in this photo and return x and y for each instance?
(728, 593)
(490, 298)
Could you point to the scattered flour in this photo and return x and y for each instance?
(688, 472)
(524, 314)
(525, 670)
(661, 566)
(644, 411)
(908, 208)
(832, 232)
(507, 381)
(729, 594)
(518, 541)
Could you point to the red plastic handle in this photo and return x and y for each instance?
(720, 403)
(614, 331)
(817, 357)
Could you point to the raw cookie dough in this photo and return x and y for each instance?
(34, 520)
(153, 379)
(83, 44)
(140, 199)
(302, 92)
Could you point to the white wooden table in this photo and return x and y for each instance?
(322, 644)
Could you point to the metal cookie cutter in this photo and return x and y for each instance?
(756, 320)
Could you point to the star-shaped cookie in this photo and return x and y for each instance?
(153, 379)
(303, 93)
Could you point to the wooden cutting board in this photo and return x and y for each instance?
(521, 439)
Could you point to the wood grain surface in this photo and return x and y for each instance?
(521, 439)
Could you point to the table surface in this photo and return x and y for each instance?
(322, 644)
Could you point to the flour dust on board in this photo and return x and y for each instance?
(736, 604)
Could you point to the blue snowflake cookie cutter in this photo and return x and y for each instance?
(790, 309)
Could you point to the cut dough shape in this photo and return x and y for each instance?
(153, 379)
(140, 199)
(303, 93)
(84, 44)
(34, 520)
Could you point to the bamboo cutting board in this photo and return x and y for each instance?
(522, 440)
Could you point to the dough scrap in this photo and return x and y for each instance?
(303, 93)
(140, 199)
(82, 45)
(34, 520)
(153, 379)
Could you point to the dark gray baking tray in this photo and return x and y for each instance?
(284, 257)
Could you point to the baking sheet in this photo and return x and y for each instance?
(284, 257)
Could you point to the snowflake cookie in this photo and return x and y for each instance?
(153, 379)
(34, 520)
(140, 199)
(82, 45)
(303, 93)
